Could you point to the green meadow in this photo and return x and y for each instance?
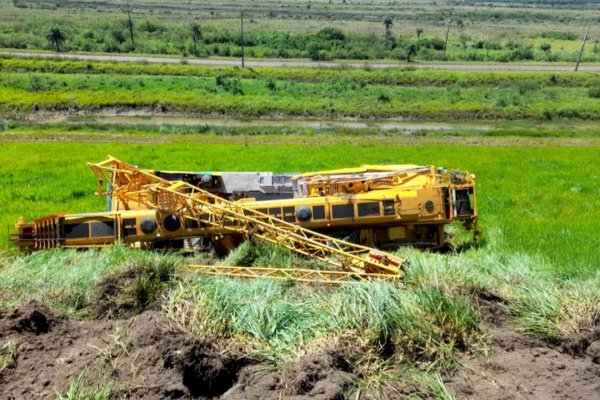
(531, 138)
(541, 201)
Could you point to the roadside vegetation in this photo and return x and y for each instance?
(406, 76)
(320, 31)
(362, 94)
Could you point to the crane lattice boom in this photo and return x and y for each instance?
(188, 202)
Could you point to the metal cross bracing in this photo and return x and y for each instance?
(131, 184)
(190, 202)
(293, 274)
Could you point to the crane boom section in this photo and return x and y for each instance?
(188, 202)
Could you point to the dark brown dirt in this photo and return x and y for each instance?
(141, 358)
(320, 375)
(111, 302)
(521, 367)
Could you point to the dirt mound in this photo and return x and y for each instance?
(140, 358)
(321, 374)
(134, 290)
(143, 358)
(34, 319)
(520, 367)
(43, 347)
(594, 352)
(579, 344)
(112, 301)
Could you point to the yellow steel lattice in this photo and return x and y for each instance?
(131, 184)
(289, 274)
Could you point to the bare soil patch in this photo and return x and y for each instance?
(321, 375)
(143, 358)
(521, 367)
(140, 358)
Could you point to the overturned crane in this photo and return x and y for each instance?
(336, 217)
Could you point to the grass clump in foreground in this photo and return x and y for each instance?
(69, 279)
(405, 333)
(79, 391)
(384, 328)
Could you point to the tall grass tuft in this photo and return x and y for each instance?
(275, 320)
(78, 391)
(67, 278)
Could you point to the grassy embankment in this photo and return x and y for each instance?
(435, 95)
(389, 334)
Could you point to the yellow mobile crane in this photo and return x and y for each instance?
(391, 204)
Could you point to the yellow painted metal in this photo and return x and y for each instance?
(130, 184)
(374, 179)
(293, 274)
(361, 170)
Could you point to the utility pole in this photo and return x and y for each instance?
(130, 24)
(447, 33)
(242, 32)
(583, 45)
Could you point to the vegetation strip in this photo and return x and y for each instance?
(402, 76)
(22, 93)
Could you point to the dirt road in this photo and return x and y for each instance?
(312, 64)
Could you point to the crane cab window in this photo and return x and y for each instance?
(77, 231)
(319, 212)
(106, 228)
(368, 209)
(343, 211)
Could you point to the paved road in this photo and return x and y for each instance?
(314, 64)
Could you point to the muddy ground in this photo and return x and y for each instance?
(145, 359)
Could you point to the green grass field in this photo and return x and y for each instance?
(534, 200)
(531, 139)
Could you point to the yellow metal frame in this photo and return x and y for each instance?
(295, 274)
(131, 184)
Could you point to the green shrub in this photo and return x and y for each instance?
(527, 86)
(383, 97)
(594, 92)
